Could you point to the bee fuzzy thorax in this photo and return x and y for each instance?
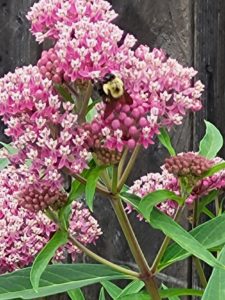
(114, 88)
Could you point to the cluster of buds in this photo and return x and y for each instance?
(36, 200)
(49, 66)
(188, 164)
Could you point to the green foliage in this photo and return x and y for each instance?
(164, 139)
(12, 150)
(76, 294)
(133, 288)
(173, 230)
(43, 258)
(102, 294)
(4, 162)
(204, 201)
(210, 234)
(215, 288)
(92, 180)
(112, 289)
(152, 199)
(64, 93)
(165, 294)
(212, 142)
(55, 279)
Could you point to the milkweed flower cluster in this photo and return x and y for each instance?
(49, 133)
(169, 181)
(43, 128)
(88, 46)
(47, 16)
(24, 233)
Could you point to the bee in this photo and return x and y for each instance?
(111, 89)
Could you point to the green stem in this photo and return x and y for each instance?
(200, 272)
(53, 216)
(99, 188)
(197, 262)
(146, 274)
(114, 179)
(165, 244)
(101, 259)
(122, 162)
(85, 102)
(106, 179)
(129, 167)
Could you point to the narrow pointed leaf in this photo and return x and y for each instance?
(204, 201)
(132, 199)
(215, 288)
(112, 289)
(165, 294)
(215, 169)
(212, 142)
(55, 279)
(4, 162)
(92, 180)
(12, 150)
(210, 234)
(177, 233)
(132, 288)
(76, 294)
(102, 294)
(151, 200)
(164, 139)
(43, 258)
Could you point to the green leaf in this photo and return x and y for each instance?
(213, 170)
(76, 294)
(165, 294)
(132, 288)
(112, 289)
(56, 279)
(215, 288)
(212, 142)
(132, 199)
(210, 234)
(102, 294)
(183, 238)
(164, 139)
(91, 111)
(170, 298)
(151, 200)
(64, 93)
(92, 180)
(4, 162)
(77, 188)
(43, 258)
(12, 150)
(204, 201)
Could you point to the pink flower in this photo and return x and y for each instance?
(24, 233)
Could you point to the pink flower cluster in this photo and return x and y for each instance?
(24, 233)
(43, 128)
(47, 16)
(88, 46)
(158, 181)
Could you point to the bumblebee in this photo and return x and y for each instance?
(111, 89)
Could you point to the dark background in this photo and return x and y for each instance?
(193, 32)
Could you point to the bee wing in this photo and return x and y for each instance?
(109, 108)
(128, 98)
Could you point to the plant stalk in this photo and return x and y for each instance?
(53, 216)
(165, 244)
(200, 272)
(129, 167)
(102, 260)
(85, 101)
(146, 274)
